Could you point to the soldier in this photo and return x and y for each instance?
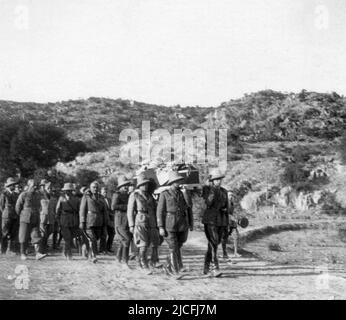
(174, 220)
(67, 211)
(18, 189)
(93, 217)
(9, 220)
(122, 231)
(47, 216)
(110, 232)
(141, 214)
(215, 220)
(42, 185)
(28, 208)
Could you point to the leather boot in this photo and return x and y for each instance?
(120, 253)
(206, 268)
(144, 257)
(4, 243)
(174, 262)
(55, 238)
(224, 250)
(154, 259)
(180, 261)
(125, 254)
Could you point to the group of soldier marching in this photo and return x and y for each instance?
(134, 217)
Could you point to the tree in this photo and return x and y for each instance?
(26, 146)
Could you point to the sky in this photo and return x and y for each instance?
(187, 52)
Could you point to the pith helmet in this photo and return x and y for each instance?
(123, 181)
(142, 179)
(10, 182)
(216, 174)
(174, 176)
(68, 187)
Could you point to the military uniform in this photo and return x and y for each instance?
(108, 234)
(174, 216)
(122, 232)
(93, 217)
(67, 215)
(216, 221)
(141, 214)
(47, 217)
(9, 221)
(28, 207)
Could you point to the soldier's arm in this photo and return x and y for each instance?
(131, 208)
(161, 211)
(209, 199)
(19, 204)
(83, 210)
(116, 205)
(58, 210)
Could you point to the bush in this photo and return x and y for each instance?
(84, 176)
(26, 146)
(294, 174)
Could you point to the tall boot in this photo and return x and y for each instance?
(216, 260)
(4, 245)
(174, 265)
(144, 257)
(180, 261)
(125, 254)
(224, 250)
(120, 252)
(55, 240)
(206, 268)
(154, 259)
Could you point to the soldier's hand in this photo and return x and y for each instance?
(163, 232)
(132, 229)
(82, 226)
(191, 228)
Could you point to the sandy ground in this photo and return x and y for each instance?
(302, 270)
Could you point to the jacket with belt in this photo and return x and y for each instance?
(141, 210)
(67, 212)
(28, 207)
(93, 211)
(48, 206)
(217, 210)
(173, 213)
(8, 201)
(119, 207)
(110, 213)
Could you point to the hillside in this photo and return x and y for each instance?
(270, 134)
(262, 116)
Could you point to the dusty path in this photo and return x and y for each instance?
(248, 277)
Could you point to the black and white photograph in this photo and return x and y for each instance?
(172, 150)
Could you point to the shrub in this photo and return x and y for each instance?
(84, 176)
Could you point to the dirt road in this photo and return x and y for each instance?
(250, 276)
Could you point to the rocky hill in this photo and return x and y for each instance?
(263, 116)
(264, 131)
